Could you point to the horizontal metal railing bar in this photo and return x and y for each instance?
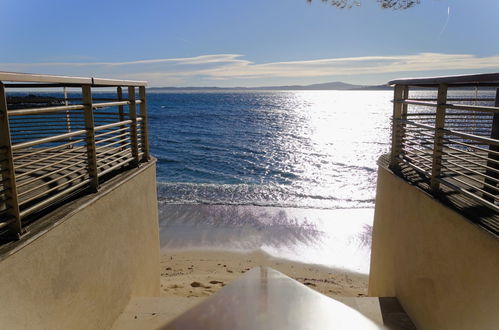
(42, 130)
(421, 136)
(115, 167)
(471, 170)
(43, 150)
(54, 198)
(109, 104)
(452, 141)
(470, 177)
(38, 119)
(112, 138)
(37, 125)
(54, 138)
(40, 123)
(40, 85)
(409, 122)
(112, 158)
(485, 140)
(127, 128)
(23, 193)
(15, 114)
(56, 155)
(480, 116)
(113, 104)
(125, 155)
(428, 151)
(457, 99)
(422, 140)
(469, 194)
(128, 157)
(108, 115)
(415, 102)
(41, 78)
(23, 174)
(35, 111)
(418, 155)
(35, 197)
(114, 82)
(475, 79)
(119, 123)
(106, 148)
(472, 154)
(467, 184)
(6, 223)
(38, 178)
(468, 107)
(411, 162)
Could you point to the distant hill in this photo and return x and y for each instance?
(337, 85)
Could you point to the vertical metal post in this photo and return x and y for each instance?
(144, 125)
(492, 163)
(121, 111)
(90, 137)
(133, 125)
(8, 172)
(68, 116)
(436, 166)
(396, 125)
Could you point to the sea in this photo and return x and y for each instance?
(298, 149)
(289, 173)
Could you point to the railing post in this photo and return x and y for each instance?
(144, 123)
(133, 125)
(494, 157)
(8, 172)
(121, 112)
(436, 166)
(90, 137)
(396, 126)
(68, 115)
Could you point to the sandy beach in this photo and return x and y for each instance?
(197, 273)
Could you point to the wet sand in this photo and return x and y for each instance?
(338, 238)
(200, 273)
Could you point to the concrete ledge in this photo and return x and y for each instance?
(442, 268)
(79, 266)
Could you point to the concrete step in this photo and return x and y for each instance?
(147, 313)
(384, 310)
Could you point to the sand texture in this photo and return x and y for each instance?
(202, 273)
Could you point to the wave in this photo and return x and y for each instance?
(253, 194)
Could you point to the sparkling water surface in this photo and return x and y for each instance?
(314, 149)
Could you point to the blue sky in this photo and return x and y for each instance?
(247, 43)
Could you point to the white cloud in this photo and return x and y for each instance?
(206, 69)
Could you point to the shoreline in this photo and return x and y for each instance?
(198, 273)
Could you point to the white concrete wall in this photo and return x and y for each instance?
(443, 269)
(81, 273)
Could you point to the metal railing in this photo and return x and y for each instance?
(54, 146)
(447, 129)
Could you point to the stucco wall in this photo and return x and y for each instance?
(443, 269)
(81, 273)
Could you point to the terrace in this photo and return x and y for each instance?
(446, 141)
(65, 141)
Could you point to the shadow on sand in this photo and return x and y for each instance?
(232, 226)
